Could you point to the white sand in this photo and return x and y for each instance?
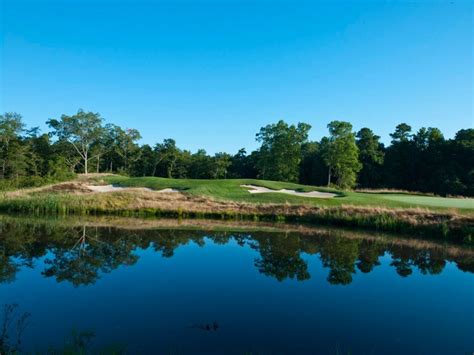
(112, 188)
(253, 189)
(168, 190)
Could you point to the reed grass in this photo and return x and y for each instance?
(417, 222)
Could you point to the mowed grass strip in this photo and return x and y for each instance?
(231, 190)
(431, 201)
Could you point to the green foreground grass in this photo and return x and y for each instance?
(231, 190)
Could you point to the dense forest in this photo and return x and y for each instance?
(82, 143)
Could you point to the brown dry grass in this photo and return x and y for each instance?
(188, 203)
(137, 199)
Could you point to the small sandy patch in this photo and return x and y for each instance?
(105, 188)
(112, 188)
(167, 190)
(253, 189)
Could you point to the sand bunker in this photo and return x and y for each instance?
(112, 188)
(253, 189)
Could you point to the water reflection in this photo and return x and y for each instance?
(80, 254)
(13, 323)
(89, 255)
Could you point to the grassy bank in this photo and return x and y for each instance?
(225, 199)
(231, 190)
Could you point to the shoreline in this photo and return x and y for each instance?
(448, 226)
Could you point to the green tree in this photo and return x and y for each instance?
(82, 130)
(201, 165)
(400, 158)
(280, 152)
(312, 167)
(145, 162)
(222, 162)
(460, 155)
(123, 143)
(371, 156)
(167, 155)
(242, 165)
(11, 126)
(402, 133)
(341, 154)
(17, 163)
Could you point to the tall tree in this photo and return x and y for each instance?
(11, 126)
(222, 162)
(123, 143)
(280, 152)
(82, 130)
(201, 165)
(371, 155)
(402, 133)
(167, 154)
(242, 165)
(460, 157)
(144, 165)
(312, 168)
(16, 161)
(400, 163)
(341, 154)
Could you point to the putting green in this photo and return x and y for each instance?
(431, 201)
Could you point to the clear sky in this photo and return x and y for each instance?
(211, 73)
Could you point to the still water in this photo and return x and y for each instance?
(115, 288)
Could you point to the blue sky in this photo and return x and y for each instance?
(211, 73)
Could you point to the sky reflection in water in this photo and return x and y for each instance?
(196, 291)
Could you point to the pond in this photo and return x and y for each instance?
(123, 286)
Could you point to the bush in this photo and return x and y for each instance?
(32, 181)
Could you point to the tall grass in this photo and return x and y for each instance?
(419, 223)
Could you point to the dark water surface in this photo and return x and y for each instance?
(186, 291)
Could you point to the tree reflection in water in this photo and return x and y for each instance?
(80, 255)
(89, 255)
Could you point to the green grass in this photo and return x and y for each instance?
(431, 201)
(230, 190)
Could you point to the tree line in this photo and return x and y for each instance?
(82, 143)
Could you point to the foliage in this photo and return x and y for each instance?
(83, 131)
(371, 156)
(423, 161)
(341, 154)
(280, 152)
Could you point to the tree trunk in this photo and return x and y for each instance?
(85, 164)
(83, 239)
(98, 163)
(329, 177)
